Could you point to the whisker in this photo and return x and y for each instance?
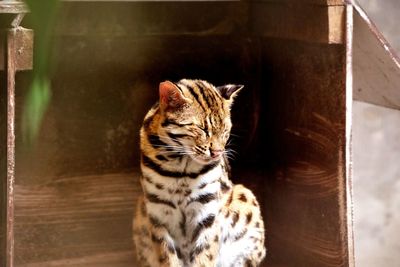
(234, 135)
(232, 151)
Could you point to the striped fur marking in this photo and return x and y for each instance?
(160, 170)
(155, 199)
(204, 199)
(205, 223)
(196, 96)
(156, 142)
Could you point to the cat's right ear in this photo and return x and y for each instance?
(171, 96)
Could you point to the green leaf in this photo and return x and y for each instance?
(43, 13)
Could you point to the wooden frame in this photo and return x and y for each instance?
(77, 185)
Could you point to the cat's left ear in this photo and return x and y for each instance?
(229, 91)
(171, 96)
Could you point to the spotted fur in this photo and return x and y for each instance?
(190, 213)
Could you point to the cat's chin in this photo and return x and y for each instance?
(204, 161)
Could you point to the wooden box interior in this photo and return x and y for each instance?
(76, 186)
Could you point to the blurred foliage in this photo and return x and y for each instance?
(43, 14)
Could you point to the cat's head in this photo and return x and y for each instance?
(195, 116)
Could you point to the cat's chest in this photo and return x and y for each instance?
(191, 203)
(181, 204)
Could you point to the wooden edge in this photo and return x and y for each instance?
(11, 48)
(121, 258)
(2, 50)
(14, 7)
(23, 39)
(348, 145)
(312, 2)
(310, 23)
(376, 67)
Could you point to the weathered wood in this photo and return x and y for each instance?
(290, 120)
(17, 55)
(312, 23)
(317, 24)
(13, 7)
(3, 159)
(82, 220)
(303, 140)
(152, 18)
(2, 50)
(314, 2)
(376, 65)
(24, 50)
(11, 70)
(348, 178)
(307, 2)
(108, 259)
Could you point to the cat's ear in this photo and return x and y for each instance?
(171, 96)
(229, 91)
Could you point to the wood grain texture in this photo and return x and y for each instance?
(309, 2)
(152, 18)
(296, 21)
(314, 2)
(303, 137)
(12, 7)
(319, 24)
(3, 159)
(24, 51)
(289, 130)
(11, 50)
(81, 220)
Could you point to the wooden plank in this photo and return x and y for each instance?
(2, 50)
(152, 18)
(290, 119)
(13, 7)
(82, 220)
(302, 137)
(312, 23)
(376, 65)
(3, 158)
(348, 194)
(317, 24)
(11, 49)
(314, 2)
(24, 50)
(305, 2)
(113, 259)
(17, 54)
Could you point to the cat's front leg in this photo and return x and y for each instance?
(167, 254)
(154, 245)
(205, 250)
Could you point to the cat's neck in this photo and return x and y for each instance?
(186, 164)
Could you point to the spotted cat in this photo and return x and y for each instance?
(190, 213)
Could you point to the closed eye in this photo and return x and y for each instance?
(203, 130)
(169, 122)
(225, 135)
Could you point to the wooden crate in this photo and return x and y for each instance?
(69, 200)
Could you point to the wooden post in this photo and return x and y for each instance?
(16, 49)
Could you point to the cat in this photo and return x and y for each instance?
(190, 213)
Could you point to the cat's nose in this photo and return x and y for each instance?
(215, 153)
